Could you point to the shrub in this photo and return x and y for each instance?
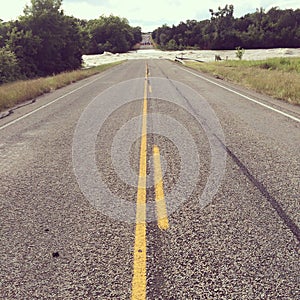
(9, 67)
(239, 52)
(172, 45)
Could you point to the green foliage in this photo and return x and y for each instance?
(239, 52)
(285, 64)
(226, 12)
(273, 29)
(39, 7)
(44, 40)
(172, 45)
(9, 68)
(112, 34)
(59, 48)
(25, 46)
(279, 64)
(277, 77)
(4, 29)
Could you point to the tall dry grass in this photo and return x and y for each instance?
(12, 94)
(276, 77)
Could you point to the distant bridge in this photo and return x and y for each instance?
(146, 42)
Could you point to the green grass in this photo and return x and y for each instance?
(12, 94)
(276, 77)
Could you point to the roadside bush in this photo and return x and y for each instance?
(172, 45)
(9, 67)
(239, 52)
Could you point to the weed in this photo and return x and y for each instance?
(276, 77)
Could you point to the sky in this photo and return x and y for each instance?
(149, 14)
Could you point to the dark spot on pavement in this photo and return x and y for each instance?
(55, 254)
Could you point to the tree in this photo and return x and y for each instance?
(46, 41)
(25, 46)
(163, 34)
(137, 34)
(224, 36)
(113, 34)
(9, 68)
(4, 28)
(261, 29)
(172, 45)
(163, 39)
(39, 7)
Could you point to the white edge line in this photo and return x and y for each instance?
(50, 103)
(244, 96)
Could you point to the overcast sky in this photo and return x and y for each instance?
(149, 14)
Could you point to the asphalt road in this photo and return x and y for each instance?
(69, 170)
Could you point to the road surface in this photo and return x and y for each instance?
(75, 164)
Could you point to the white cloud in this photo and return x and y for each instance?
(85, 9)
(283, 4)
(149, 14)
(12, 9)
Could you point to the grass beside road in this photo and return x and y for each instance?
(12, 94)
(276, 77)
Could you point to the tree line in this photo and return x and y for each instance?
(273, 29)
(44, 41)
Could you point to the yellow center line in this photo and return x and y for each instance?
(139, 263)
(161, 209)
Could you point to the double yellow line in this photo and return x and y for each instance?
(139, 281)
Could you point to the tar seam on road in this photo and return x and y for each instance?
(139, 281)
(244, 96)
(50, 103)
(161, 209)
(279, 210)
(281, 213)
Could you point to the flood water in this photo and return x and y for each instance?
(202, 55)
